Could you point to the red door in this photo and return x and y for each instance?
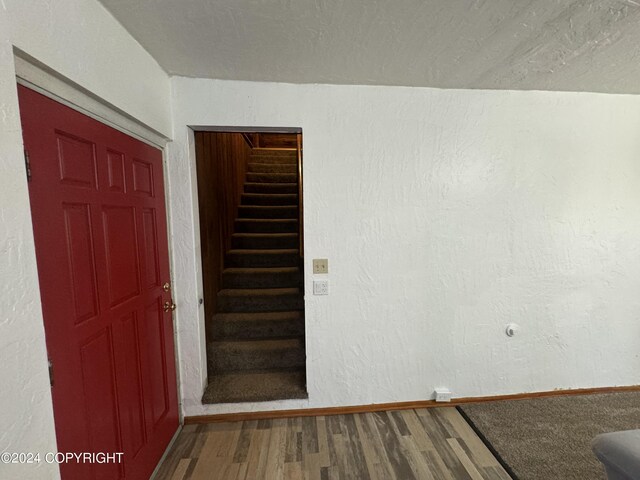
(97, 202)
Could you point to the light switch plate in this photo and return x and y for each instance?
(321, 287)
(320, 266)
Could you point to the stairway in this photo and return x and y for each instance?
(257, 352)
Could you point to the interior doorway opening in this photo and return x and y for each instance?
(250, 213)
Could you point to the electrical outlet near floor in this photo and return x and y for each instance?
(443, 394)
(321, 287)
(320, 266)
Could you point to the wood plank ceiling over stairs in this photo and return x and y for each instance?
(257, 352)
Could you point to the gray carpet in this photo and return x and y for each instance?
(256, 348)
(550, 438)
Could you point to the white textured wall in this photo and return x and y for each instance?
(445, 215)
(26, 415)
(80, 40)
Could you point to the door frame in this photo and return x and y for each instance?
(37, 76)
(198, 268)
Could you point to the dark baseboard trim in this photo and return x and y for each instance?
(382, 407)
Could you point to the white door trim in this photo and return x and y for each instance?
(37, 76)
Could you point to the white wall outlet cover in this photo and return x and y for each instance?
(321, 287)
(443, 394)
(512, 329)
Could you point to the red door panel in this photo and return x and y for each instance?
(97, 202)
(154, 331)
(96, 355)
(120, 244)
(130, 384)
(150, 253)
(81, 255)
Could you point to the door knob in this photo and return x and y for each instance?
(169, 306)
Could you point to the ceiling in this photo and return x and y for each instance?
(574, 45)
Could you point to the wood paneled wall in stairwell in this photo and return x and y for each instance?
(221, 162)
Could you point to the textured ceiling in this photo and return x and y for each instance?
(495, 44)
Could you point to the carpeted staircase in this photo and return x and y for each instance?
(257, 352)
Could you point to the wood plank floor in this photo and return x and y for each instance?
(429, 444)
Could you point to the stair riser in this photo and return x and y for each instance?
(261, 280)
(288, 241)
(267, 199)
(272, 177)
(250, 260)
(238, 387)
(272, 168)
(245, 211)
(286, 188)
(261, 152)
(276, 152)
(266, 227)
(257, 330)
(274, 160)
(228, 360)
(280, 303)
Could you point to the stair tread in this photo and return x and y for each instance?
(272, 178)
(275, 184)
(272, 195)
(275, 160)
(249, 270)
(271, 168)
(286, 155)
(274, 220)
(257, 325)
(259, 344)
(260, 163)
(272, 153)
(266, 225)
(259, 277)
(268, 211)
(249, 292)
(270, 187)
(274, 150)
(285, 196)
(270, 207)
(260, 316)
(255, 162)
(261, 251)
(258, 386)
(265, 235)
(256, 158)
